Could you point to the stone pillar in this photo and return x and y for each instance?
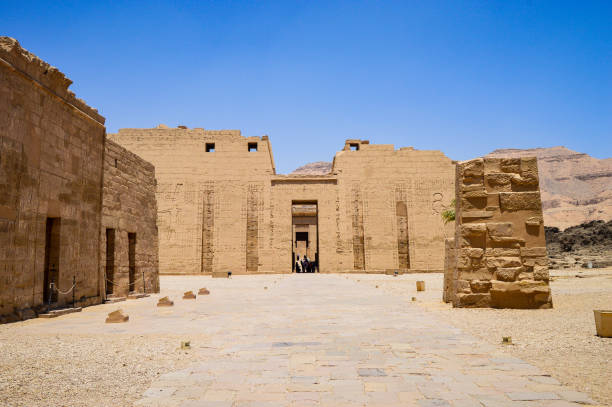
(500, 246)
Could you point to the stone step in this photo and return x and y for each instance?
(58, 312)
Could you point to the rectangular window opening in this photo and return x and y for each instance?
(210, 147)
(252, 147)
(354, 147)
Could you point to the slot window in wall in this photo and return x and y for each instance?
(210, 147)
(252, 147)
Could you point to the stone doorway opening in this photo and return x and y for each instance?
(132, 261)
(52, 257)
(305, 233)
(110, 261)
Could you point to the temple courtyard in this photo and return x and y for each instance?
(314, 340)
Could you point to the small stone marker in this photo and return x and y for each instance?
(376, 286)
(186, 345)
(265, 288)
(116, 317)
(165, 302)
(413, 298)
(203, 291)
(420, 285)
(507, 340)
(189, 295)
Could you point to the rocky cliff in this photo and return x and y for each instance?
(575, 187)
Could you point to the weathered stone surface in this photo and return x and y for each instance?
(533, 221)
(477, 214)
(495, 262)
(520, 294)
(533, 251)
(507, 273)
(51, 164)
(502, 252)
(189, 295)
(203, 291)
(499, 229)
(498, 181)
(473, 229)
(473, 300)
(128, 211)
(512, 165)
(117, 316)
(473, 252)
(541, 273)
(478, 286)
(520, 201)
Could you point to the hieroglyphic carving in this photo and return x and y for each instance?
(358, 237)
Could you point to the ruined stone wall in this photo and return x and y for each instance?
(227, 210)
(449, 269)
(129, 206)
(499, 235)
(51, 152)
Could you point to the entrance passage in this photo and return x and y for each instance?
(110, 261)
(305, 243)
(52, 253)
(132, 260)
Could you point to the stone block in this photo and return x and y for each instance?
(473, 229)
(503, 262)
(502, 252)
(533, 252)
(473, 252)
(479, 300)
(511, 165)
(165, 302)
(541, 273)
(508, 273)
(500, 229)
(533, 221)
(189, 295)
(477, 214)
(203, 291)
(498, 181)
(117, 316)
(521, 294)
(478, 286)
(520, 201)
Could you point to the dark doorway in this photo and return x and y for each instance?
(132, 260)
(110, 261)
(52, 252)
(305, 233)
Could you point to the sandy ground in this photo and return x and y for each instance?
(560, 341)
(79, 358)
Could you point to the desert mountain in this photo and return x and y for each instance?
(576, 187)
(316, 168)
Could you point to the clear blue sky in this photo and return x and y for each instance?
(465, 77)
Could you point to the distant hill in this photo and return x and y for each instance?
(576, 188)
(316, 168)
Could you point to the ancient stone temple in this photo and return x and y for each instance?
(52, 148)
(498, 256)
(222, 207)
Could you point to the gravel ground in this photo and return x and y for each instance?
(79, 358)
(560, 341)
(88, 370)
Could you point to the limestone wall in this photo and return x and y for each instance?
(499, 235)
(51, 152)
(129, 206)
(227, 209)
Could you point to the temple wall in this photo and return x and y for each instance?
(227, 210)
(129, 206)
(500, 245)
(51, 152)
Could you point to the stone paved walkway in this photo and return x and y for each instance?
(329, 340)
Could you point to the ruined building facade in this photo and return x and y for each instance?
(222, 207)
(52, 148)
